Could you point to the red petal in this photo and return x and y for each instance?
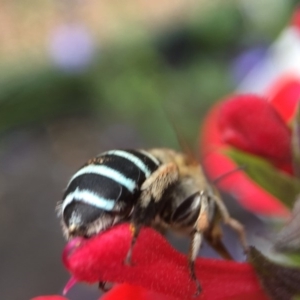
(296, 19)
(250, 123)
(50, 297)
(248, 193)
(284, 96)
(158, 267)
(133, 292)
(69, 285)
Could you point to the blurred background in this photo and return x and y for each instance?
(78, 77)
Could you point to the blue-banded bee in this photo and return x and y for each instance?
(160, 187)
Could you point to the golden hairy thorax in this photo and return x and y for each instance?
(187, 166)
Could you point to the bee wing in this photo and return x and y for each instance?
(185, 146)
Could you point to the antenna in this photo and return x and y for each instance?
(221, 177)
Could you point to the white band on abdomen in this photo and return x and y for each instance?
(139, 163)
(88, 197)
(109, 173)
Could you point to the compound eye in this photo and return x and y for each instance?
(188, 210)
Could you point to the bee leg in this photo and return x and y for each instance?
(156, 185)
(233, 223)
(214, 238)
(102, 286)
(239, 229)
(194, 249)
(135, 230)
(149, 202)
(201, 225)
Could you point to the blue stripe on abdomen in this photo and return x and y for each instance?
(112, 176)
(103, 170)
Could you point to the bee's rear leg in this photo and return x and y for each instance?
(239, 229)
(214, 238)
(103, 286)
(233, 223)
(135, 230)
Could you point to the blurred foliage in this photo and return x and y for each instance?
(279, 281)
(281, 185)
(140, 80)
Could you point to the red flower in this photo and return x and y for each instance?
(133, 292)
(284, 96)
(158, 270)
(216, 163)
(121, 292)
(251, 124)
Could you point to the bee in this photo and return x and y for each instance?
(159, 187)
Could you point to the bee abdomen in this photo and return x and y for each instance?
(109, 178)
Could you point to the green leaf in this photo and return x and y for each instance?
(296, 143)
(288, 239)
(280, 282)
(277, 183)
(293, 258)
